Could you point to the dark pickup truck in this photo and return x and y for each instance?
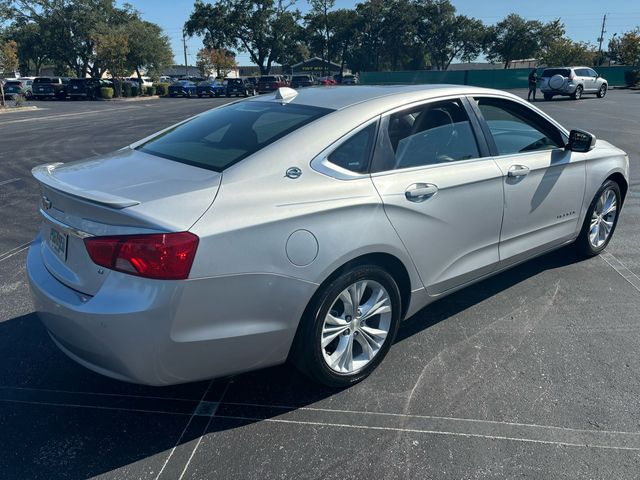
(49, 87)
(88, 88)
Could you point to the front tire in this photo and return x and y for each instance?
(603, 91)
(348, 327)
(601, 220)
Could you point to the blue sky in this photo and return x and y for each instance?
(582, 18)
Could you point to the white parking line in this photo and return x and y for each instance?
(11, 180)
(14, 251)
(77, 114)
(204, 430)
(621, 269)
(193, 415)
(435, 432)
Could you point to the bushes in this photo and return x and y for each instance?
(106, 92)
(150, 91)
(162, 89)
(632, 77)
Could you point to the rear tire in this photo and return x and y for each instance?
(577, 95)
(548, 96)
(601, 220)
(340, 342)
(603, 91)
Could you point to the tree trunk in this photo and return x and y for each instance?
(2, 95)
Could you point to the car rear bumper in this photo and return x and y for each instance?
(567, 90)
(167, 332)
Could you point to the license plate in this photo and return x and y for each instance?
(58, 243)
(75, 87)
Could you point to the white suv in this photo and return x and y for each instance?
(572, 81)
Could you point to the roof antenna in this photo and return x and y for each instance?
(286, 94)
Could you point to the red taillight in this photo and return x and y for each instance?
(164, 256)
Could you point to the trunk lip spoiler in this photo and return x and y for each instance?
(45, 175)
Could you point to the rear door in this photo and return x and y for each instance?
(543, 183)
(439, 190)
(587, 80)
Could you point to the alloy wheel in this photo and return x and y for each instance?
(603, 218)
(356, 327)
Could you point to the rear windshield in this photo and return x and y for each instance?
(300, 77)
(550, 72)
(77, 80)
(268, 79)
(226, 135)
(42, 80)
(13, 84)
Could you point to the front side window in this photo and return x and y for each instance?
(516, 128)
(429, 134)
(226, 135)
(354, 153)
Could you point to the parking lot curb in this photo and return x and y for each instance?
(17, 109)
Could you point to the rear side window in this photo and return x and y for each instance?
(550, 72)
(221, 137)
(582, 72)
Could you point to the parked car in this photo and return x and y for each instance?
(239, 86)
(49, 87)
(87, 88)
(299, 81)
(211, 88)
(572, 82)
(142, 82)
(270, 83)
(253, 81)
(327, 81)
(183, 88)
(349, 79)
(226, 246)
(18, 87)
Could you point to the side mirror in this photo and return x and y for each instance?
(581, 141)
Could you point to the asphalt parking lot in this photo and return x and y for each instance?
(534, 373)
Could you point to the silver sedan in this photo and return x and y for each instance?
(305, 226)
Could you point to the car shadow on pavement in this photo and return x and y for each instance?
(59, 420)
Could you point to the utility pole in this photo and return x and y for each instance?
(184, 45)
(600, 39)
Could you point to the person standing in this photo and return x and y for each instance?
(533, 84)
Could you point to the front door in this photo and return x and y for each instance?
(543, 183)
(443, 198)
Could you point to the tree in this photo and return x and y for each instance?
(112, 47)
(343, 23)
(149, 48)
(32, 46)
(218, 59)
(320, 9)
(625, 50)
(564, 51)
(447, 35)
(515, 38)
(8, 62)
(259, 27)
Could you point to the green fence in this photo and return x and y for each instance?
(498, 78)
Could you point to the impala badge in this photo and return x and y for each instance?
(46, 203)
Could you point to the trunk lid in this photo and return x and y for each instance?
(127, 192)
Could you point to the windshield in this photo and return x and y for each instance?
(221, 137)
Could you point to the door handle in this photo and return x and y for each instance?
(419, 192)
(517, 171)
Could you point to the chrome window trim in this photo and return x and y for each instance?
(321, 163)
